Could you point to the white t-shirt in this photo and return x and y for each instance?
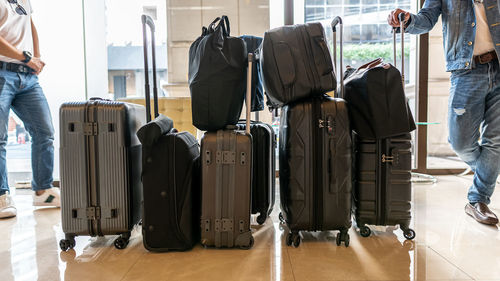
(15, 28)
(483, 42)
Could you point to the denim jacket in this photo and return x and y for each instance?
(459, 30)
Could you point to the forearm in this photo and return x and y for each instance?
(36, 46)
(426, 18)
(7, 50)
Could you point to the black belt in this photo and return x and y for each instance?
(486, 57)
(15, 67)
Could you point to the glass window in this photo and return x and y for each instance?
(125, 49)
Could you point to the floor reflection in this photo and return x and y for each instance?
(449, 245)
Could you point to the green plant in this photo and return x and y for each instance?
(367, 52)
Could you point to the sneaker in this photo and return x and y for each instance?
(51, 197)
(7, 208)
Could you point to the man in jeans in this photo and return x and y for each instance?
(20, 65)
(471, 34)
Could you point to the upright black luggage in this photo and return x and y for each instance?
(264, 168)
(382, 188)
(100, 169)
(170, 176)
(315, 167)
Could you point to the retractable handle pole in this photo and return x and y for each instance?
(147, 20)
(395, 30)
(335, 21)
(249, 90)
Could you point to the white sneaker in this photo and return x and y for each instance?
(7, 208)
(51, 197)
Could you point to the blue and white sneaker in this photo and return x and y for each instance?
(51, 197)
(7, 207)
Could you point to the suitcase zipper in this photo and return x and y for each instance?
(384, 160)
(318, 177)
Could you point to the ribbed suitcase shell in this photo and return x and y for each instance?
(264, 168)
(315, 166)
(226, 189)
(382, 188)
(101, 170)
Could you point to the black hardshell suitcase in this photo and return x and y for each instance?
(315, 168)
(170, 176)
(264, 168)
(100, 169)
(382, 188)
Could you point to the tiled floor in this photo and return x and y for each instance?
(449, 245)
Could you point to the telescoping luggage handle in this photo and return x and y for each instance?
(147, 20)
(395, 30)
(335, 21)
(248, 101)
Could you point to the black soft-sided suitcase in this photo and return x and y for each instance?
(264, 168)
(170, 177)
(100, 169)
(296, 63)
(382, 188)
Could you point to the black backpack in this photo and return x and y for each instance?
(217, 81)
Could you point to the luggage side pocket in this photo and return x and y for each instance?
(285, 64)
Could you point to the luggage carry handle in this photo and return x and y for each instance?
(248, 102)
(335, 21)
(147, 20)
(400, 29)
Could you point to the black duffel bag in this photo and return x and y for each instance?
(296, 63)
(378, 107)
(217, 77)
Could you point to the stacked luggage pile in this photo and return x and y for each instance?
(337, 156)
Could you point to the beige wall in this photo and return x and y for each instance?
(439, 86)
(186, 18)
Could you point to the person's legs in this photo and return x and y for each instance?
(9, 81)
(466, 112)
(488, 162)
(8, 87)
(31, 106)
(474, 101)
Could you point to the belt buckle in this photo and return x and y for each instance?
(488, 57)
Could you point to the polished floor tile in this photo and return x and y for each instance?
(449, 246)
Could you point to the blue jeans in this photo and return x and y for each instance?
(22, 93)
(474, 125)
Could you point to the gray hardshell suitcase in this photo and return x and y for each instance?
(100, 158)
(226, 185)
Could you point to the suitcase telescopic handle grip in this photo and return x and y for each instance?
(338, 21)
(400, 29)
(248, 99)
(147, 20)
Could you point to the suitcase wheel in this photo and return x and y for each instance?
(67, 244)
(250, 244)
(293, 239)
(365, 231)
(409, 234)
(343, 236)
(122, 241)
(261, 219)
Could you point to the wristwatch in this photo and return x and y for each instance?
(27, 56)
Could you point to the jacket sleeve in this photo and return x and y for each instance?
(426, 18)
